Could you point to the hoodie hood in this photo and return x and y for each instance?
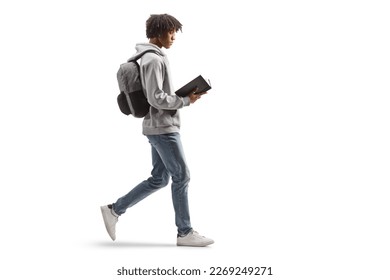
(142, 47)
(145, 47)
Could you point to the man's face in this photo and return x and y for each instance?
(167, 39)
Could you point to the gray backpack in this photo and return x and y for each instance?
(131, 99)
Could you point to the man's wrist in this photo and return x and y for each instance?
(187, 101)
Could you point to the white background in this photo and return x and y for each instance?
(289, 152)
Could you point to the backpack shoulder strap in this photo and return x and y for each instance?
(139, 55)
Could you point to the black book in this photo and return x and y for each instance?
(198, 83)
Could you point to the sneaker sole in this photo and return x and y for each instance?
(195, 245)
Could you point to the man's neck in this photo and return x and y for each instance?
(155, 41)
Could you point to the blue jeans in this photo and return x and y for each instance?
(168, 161)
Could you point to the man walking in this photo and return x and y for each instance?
(162, 128)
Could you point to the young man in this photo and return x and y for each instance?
(161, 126)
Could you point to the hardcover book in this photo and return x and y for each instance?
(198, 83)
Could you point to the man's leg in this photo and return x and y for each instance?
(170, 149)
(158, 180)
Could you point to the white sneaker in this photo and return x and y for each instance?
(110, 220)
(194, 239)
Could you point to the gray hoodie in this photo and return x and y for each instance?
(163, 116)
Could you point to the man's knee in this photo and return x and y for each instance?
(182, 177)
(159, 181)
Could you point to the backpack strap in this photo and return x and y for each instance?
(139, 55)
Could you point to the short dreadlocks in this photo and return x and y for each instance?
(157, 25)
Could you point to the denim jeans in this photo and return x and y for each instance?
(168, 161)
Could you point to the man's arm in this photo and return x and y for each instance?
(153, 72)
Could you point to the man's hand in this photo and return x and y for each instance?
(195, 96)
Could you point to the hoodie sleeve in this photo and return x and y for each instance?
(153, 71)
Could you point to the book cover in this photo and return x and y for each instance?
(199, 82)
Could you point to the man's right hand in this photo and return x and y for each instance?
(195, 96)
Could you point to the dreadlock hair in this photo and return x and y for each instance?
(157, 25)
